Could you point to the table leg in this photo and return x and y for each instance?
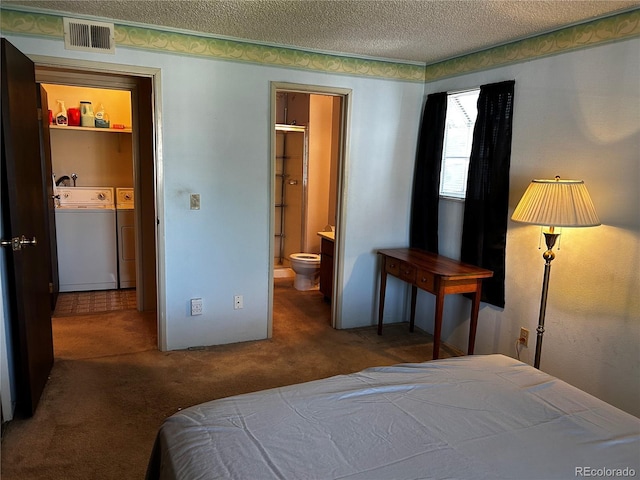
(383, 287)
(437, 325)
(414, 295)
(475, 308)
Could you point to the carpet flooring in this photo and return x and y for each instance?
(110, 388)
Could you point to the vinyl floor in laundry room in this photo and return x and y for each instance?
(83, 303)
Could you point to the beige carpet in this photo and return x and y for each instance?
(110, 388)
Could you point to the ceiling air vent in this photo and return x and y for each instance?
(89, 36)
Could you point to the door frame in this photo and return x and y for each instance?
(154, 74)
(341, 201)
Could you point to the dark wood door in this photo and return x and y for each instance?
(23, 214)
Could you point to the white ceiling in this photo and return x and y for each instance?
(423, 31)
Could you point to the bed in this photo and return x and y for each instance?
(476, 417)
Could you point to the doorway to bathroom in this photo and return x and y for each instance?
(308, 158)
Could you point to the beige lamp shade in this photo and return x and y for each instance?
(556, 203)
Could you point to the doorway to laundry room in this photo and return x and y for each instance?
(308, 140)
(102, 170)
(92, 172)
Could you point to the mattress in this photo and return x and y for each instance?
(475, 417)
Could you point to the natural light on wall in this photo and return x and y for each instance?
(462, 111)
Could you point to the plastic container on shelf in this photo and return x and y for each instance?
(73, 116)
(102, 118)
(87, 119)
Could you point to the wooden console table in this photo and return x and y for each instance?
(435, 274)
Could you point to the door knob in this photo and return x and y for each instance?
(16, 243)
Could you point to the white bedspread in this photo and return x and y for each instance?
(470, 417)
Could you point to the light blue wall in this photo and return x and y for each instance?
(215, 141)
(575, 115)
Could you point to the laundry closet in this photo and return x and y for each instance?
(92, 164)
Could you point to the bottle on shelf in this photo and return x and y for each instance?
(61, 116)
(87, 118)
(102, 118)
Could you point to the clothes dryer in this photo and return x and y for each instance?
(126, 238)
(86, 238)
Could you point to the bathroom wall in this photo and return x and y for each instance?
(336, 122)
(290, 158)
(321, 114)
(297, 108)
(319, 171)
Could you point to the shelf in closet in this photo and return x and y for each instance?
(90, 129)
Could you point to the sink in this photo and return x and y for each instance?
(328, 235)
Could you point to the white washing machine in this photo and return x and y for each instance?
(126, 238)
(86, 237)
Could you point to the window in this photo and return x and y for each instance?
(462, 111)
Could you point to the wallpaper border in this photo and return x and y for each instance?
(605, 30)
(614, 28)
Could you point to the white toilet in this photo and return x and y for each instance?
(307, 269)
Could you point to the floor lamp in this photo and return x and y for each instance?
(552, 204)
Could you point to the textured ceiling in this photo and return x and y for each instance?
(415, 30)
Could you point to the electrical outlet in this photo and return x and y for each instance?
(238, 302)
(194, 201)
(524, 337)
(196, 306)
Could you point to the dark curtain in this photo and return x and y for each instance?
(426, 178)
(484, 229)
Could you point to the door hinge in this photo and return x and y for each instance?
(50, 287)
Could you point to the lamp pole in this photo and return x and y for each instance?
(550, 239)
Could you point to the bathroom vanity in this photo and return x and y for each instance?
(326, 264)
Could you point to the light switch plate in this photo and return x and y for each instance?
(194, 202)
(196, 306)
